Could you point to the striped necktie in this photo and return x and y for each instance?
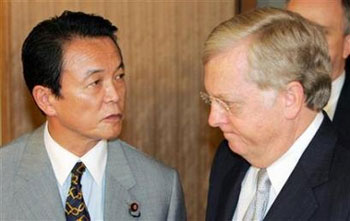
(257, 207)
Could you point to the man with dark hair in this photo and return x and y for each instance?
(73, 167)
(334, 16)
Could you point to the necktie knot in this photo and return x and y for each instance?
(79, 168)
(263, 180)
(77, 173)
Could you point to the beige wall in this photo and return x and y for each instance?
(161, 42)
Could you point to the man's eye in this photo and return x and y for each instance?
(119, 76)
(95, 83)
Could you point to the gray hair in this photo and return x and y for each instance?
(285, 47)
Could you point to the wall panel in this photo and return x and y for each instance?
(4, 59)
(2, 62)
(161, 43)
(247, 5)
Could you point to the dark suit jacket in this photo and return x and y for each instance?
(341, 118)
(318, 188)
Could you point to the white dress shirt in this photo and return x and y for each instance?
(93, 179)
(337, 86)
(278, 172)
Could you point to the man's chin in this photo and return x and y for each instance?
(111, 137)
(235, 148)
(111, 134)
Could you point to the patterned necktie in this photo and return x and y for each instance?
(75, 205)
(258, 205)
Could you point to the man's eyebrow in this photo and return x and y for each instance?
(326, 28)
(231, 98)
(92, 71)
(95, 71)
(225, 96)
(121, 66)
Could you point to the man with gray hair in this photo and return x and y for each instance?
(267, 77)
(334, 16)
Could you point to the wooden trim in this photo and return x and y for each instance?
(5, 135)
(2, 63)
(247, 5)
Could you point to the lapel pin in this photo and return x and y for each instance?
(134, 209)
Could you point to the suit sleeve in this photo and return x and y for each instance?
(177, 209)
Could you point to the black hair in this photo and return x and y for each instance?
(42, 50)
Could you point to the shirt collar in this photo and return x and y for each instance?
(281, 169)
(63, 161)
(337, 86)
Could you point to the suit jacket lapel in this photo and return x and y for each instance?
(35, 184)
(231, 188)
(297, 200)
(119, 181)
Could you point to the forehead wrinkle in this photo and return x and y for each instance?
(80, 55)
(76, 48)
(234, 60)
(240, 59)
(77, 55)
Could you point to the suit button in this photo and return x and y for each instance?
(134, 207)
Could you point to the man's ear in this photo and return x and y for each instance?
(294, 99)
(43, 98)
(346, 50)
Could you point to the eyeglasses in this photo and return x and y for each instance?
(208, 99)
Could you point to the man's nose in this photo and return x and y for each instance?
(111, 93)
(217, 115)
